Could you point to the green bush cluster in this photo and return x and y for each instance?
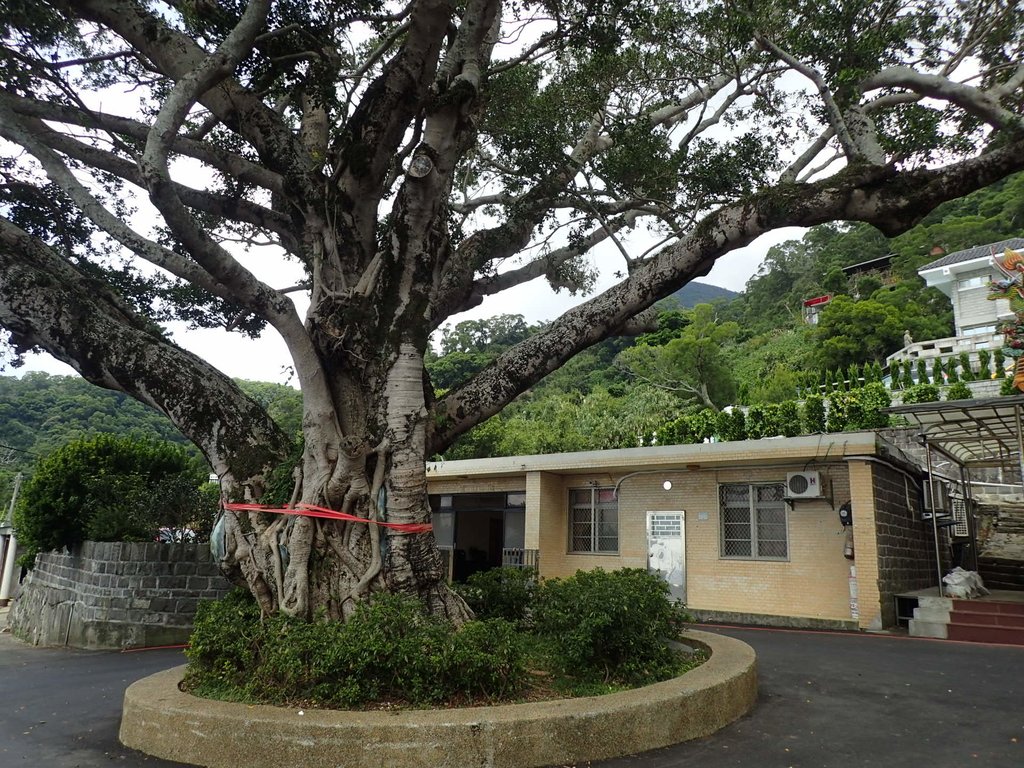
(860, 408)
(110, 488)
(501, 593)
(594, 627)
(959, 391)
(921, 393)
(610, 624)
(389, 650)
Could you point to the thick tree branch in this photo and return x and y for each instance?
(222, 206)
(892, 201)
(45, 302)
(224, 161)
(175, 54)
(976, 101)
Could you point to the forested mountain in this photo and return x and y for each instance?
(752, 347)
(40, 412)
(692, 294)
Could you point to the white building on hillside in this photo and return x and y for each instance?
(964, 276)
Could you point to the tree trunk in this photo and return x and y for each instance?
(308, 567)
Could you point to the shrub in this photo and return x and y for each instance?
(952, 376)
(984, 364)
(1006, 386)
(873, 400)
(501, 593)
(108, 488)
(843, 410)
(959, 391)
(922, 372)
(703, 424)
(731, 425)
(814, 414)
(965, 365)
(921, 393)
(763, 421)
(610, 625)
(389, 649)
(789, 418)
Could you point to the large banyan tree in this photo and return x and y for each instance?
(415, 158)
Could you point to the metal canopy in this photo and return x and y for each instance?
(973, 433)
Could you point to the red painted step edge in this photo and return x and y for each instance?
(986, 634)
(989, 606)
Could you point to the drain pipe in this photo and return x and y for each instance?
(935, 516)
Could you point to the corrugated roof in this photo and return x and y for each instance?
(977, 252)
(975, 433)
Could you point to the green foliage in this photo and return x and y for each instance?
(109, 488)
(731, 425)
(852, 331)
(388, 650)
(922, 372)
(921, 393)
(965, 365)
(959, 391)
(814, 414)
(984, 364)
(1006, 386)
(501, 593)
(693, 364)
(763, 421)
(999, 362)
(704, 424)
(952, 374)
(789, 418)
(873, 398)
(610, 624)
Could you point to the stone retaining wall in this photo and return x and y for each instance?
(113, 595)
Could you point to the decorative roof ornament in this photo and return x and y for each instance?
(1011, 287)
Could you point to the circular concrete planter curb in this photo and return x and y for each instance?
(161, 720)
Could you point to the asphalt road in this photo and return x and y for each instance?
(826, 701)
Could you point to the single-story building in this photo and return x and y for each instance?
(816, 531)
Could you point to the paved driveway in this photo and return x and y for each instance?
(827, 701)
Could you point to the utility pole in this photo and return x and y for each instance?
(9, 546)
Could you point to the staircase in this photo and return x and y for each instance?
(987, 621)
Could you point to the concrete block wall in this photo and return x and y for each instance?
(905, 542)
(113, 595)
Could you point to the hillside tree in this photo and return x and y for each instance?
(415, 158)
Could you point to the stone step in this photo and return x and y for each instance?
(988, 606)
(987, 619)
(981, 633)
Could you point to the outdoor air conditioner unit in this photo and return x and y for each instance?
(804, 485)
(936, 496)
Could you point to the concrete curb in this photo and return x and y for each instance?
(160, 720)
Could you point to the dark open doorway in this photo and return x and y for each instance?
(479, 531)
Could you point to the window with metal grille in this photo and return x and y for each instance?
(593, 520)
(960, 528)
(753, 521)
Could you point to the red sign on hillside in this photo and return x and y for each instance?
(818, 300)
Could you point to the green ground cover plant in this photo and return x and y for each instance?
(595, 632)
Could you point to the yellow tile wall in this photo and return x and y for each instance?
(814, 582)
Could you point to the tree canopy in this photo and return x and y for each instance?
(415, 158)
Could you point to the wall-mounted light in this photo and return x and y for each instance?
(667, 485)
